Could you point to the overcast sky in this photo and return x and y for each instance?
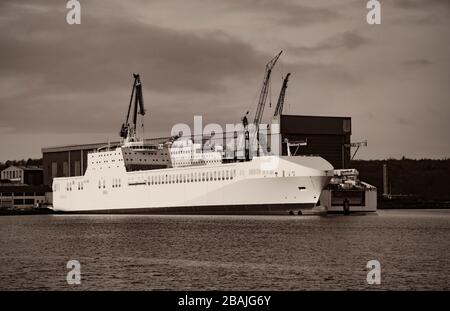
(64, 84)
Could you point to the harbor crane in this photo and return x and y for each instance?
(280, 103)
(261, 104)
(129, 129)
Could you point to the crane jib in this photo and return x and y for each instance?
(136, 94)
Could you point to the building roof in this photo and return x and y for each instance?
(95, 145)
(317, 125)
(24, 168)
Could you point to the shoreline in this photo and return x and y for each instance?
(47, 211)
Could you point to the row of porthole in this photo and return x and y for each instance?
(193, 177)
(105, 161)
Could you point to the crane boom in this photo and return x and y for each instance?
(260, 108)
(264, 90)
(128, 129)
(280, 103)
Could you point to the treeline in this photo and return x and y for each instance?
(23, 162)
(423, 179)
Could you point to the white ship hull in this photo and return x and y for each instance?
(272, 184)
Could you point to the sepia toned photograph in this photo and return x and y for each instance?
(204, 147)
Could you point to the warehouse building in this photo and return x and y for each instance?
(328, 137)
(32, 176)
(14, 196)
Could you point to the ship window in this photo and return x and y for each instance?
(215, 175)
(99, 184)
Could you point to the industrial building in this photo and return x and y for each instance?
(328, 137)
(13, 196)
(32, 176)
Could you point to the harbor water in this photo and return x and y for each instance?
(151, 252)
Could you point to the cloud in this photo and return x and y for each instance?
(422, 4)
(289, 13)
(418, 62)
(348, 40)
(56, 77)
(96, 54)
(207, 58)
(74, 78)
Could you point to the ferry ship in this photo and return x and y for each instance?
(179, 176)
